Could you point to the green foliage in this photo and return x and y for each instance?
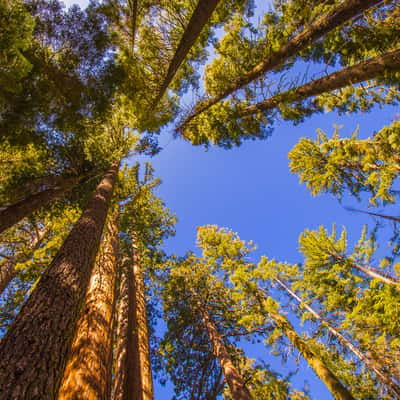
(338, 165)
(15, 37)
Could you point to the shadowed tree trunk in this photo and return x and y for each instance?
(88, 370)
(133, 379)
(142, 327)
(234, 380)
(7, 270)
(133, 8)
(33, 352)
(323, 25)
(198, 20)
(14, 213)
(372, 364)
(370, 69)
(127, 383)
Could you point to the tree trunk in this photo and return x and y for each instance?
(371, 272)
(127, 383)
(389, 217)
(88, 370)
(345, 342)
(133, 8)
(33, 352)
(198, 20)
(7, 270)
(323, 25)
(333, 384)
(233, 378)
(17, 211)
(370, 69)
(142, 327)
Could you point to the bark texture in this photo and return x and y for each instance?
(7, 270)
(14, 213)
(142, 327)
(198, 20)
(127, 383)
(372, 364)
(233, 378)
(344, 12)
(370, 69)
(88, 370)
(33, 353)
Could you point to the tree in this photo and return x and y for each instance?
(288, 103)
(89, 366)
(145, 223)
(339, 165)
(298, 42)
(43, 330)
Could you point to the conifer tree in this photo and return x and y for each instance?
(298, 42)
(42, 332)
(350, 165)
(89, 367)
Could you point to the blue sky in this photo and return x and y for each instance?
(251, 190)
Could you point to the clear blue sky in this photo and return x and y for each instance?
(251, 190)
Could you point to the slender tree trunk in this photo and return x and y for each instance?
(356, 351)
(7, 270)
(370, 69)
(127, 383)
(7, 274)
(389, 217)
(89, 365)
(33, 352)
(371, 272)
(142, 327)
(233, 378)
(17, 211)
(339, 392)
(198, 20)
(133, 7)
(323, 25)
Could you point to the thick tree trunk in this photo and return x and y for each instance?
(17, 211)
(339, 392)
(7, 270)
(233, 378)
(142, 327)
(88, 370)
(372, 364)
(127, 383)
(323, 25)
(198, 20)
(370, 69)
(33, 352)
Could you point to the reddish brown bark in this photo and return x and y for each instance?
(198, 20)
(127, 383)
(14, 213)
(88, 370)
(233, 378)
(326, 23)
(33, 352)
(142, 328)
(370, 69)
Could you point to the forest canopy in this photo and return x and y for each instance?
(94, 304)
